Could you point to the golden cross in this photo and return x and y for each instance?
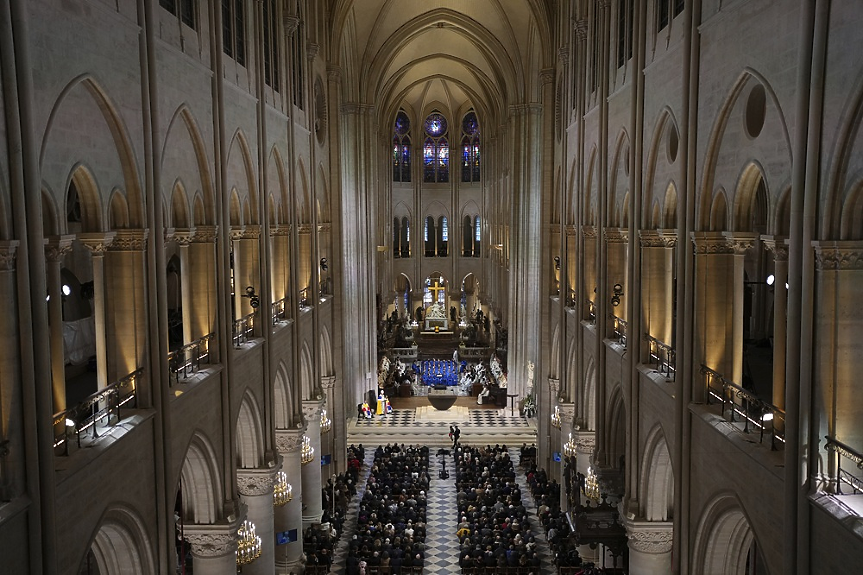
(435, 289)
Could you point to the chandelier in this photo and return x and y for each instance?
(326, 422)
(591, 485)
(569, 448)
(248, 544)
(282, 490)
(307, 453)
(555, 417)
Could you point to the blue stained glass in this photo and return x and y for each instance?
(444, 229)
(403, 123)
(477, 236)
(470, 125)
(435, 124)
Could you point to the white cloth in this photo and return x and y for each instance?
(79, 340)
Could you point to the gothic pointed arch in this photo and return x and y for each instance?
(240, 174)
(723, 537)
(200, 482)
(656, 479)
(183, 141)
(122, 544)
(249, 443)
(282, 398)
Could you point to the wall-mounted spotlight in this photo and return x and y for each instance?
(254, 300)
(615, 297)
(324, 266)
(557, 262)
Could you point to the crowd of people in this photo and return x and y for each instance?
(493, 528)
(546, 493)
(391, 523)
(319, 540)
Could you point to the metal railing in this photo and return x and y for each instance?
(279, 310)
(663, 355)
(188, 359)
(243, 329)
(591, 311)
(619, 330)
(304, 298)
(96, 410)
(843, 476)
(570, 299)
(745, 407)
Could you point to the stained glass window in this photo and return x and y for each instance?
(435, 149)
(470, 148)
(402, 148)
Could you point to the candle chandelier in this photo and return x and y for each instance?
(326, 422)
(308, 452)
(591, 485)
(569, 447)
(282, 490)
(248, 543)
(555, 417)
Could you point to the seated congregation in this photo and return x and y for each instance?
(391, 524)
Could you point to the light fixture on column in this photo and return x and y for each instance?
(591, 485)
(615, 297)
(254, 300)
(307, 453)
(770, 279)
(326, 422)
(324, 266)
(282, 490)
(569, 448)
(248, 543)
(555, 417)
(557, 262)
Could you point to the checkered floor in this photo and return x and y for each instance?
(478, 417)
(441, 542)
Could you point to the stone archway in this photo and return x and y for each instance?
(121, 546)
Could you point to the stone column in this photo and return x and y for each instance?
(779, 248)
(590, 287)
(657, 282)
(304, 265)
(567, 414)
(279, 267)
(256, 491)
(202, 284)
(214, 548)
(649, 546)
(56, 249)
(740, 243)
(616, 240)
(311, 471)
(290, 515)
(126, 281)
(12, 469)
(247, 268)
(183, 237)
(585, 446)
(98, 244)
(335, 404)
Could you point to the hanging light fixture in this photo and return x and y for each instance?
(591, 485)
(555, 417)
(282, 490)
(326, 422)
(307, 453)
(248, 543)
(569, 447)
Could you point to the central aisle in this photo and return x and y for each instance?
(441, 540)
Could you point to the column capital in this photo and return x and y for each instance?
(205, 235)
(585, 441)
(588, 231)
(844, 255)
(288, 440)
(256, 481)
(778, 246)
(653, 537)
(356, 108)
(325, 227)
(304, 228)
(580, 27)
(312, 410)
(312, 50)
(56, 247)
(328, 382)
(546, 75)
(710, 243)
(334, 73)
(184, 236)
(290, 23)
(211, 540)
(130, 241)
(650, 239)
(97, 242)
(615, 235)
(567, 412)
(563, 54)
(8, 251)
(280, 230)
(554, 386)
(570, 230)
(740, 242)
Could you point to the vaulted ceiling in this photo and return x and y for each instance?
(441, 53)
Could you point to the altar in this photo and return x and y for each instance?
(435, 317)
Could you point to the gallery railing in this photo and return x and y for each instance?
(591, 311)
(96, 410)
(661, 354)
(279, 310)
(304, 298)
(187, 360)
(745, 408)
(243, 329)
(855, 482)
(619, 330)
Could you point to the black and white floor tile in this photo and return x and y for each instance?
(478, 417)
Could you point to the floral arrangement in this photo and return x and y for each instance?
(528, 405)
